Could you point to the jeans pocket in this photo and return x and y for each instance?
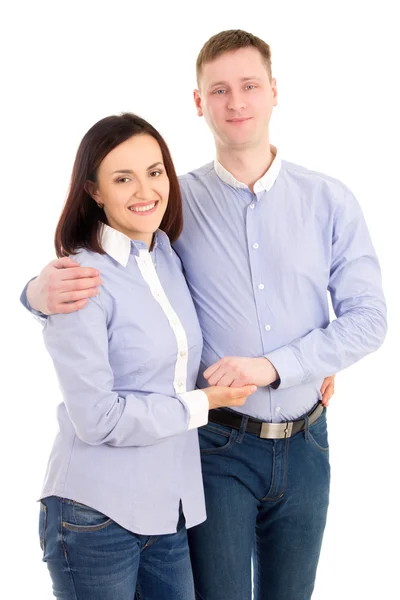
(42, 526)
(79, 517)
(215, 438)
(318, 433)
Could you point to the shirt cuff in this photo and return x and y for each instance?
(198, 406)
(288, 367)
(41, 317)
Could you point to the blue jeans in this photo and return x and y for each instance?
(266, 500)
(92, 558)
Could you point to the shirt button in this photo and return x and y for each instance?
(261, 286)
(252, 205)
(268, 328)
(255, 246)
(183, 354)
(278, 408)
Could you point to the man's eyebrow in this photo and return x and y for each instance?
(247, 78)
(217, 83)
(130, 172)
(251, 78)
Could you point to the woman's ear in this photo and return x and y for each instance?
(91, 189)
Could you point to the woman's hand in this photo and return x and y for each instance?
(220, 396)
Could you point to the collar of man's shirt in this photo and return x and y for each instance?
(119, 246)
(264, 184)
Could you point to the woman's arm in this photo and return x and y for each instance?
(78, 345)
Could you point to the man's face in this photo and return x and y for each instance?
(236, 97)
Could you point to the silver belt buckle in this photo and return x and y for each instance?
(276, 430)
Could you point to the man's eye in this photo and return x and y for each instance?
(251, 86)
(219, 92)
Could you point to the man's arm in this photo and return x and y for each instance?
(62, 287)
(355, 287)
(360, 326)
(237, 371)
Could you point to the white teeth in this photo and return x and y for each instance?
(142, 208)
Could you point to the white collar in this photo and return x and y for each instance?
(116, 244)
(264, 184)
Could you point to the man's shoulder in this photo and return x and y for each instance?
(305, 175)
(197, 174)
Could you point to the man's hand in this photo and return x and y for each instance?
(235, 371)
(327, 389)
(63, 287)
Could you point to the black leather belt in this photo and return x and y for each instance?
(264, 430)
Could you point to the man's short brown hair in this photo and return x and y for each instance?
(227, 41)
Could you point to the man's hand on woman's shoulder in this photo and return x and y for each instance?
(63, 287)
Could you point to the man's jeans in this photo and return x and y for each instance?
(266, 499)
(92, 558)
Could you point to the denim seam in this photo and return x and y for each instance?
(313, 440)
(86, 528)
(75, 503)
(213, 429)
(150, 542)
(280, 496)
(64, 549)
(231, 441)
(272, 479)
(43, 507)
(317, 446)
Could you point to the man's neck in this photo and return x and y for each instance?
(246, 165)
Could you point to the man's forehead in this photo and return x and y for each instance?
(244, 63)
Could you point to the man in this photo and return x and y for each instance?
(263, 241)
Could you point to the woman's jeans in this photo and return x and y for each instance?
(92, 558)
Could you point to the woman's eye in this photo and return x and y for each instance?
(155, 173)
(122, 179)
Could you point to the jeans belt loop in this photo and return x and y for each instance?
(306, 428)
(242, 429)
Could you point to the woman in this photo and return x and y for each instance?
(124, 474)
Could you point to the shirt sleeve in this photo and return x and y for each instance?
(358, 302)
(78, 345)
(41, 317)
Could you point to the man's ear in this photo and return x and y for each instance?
(197, 101)
(274, 91)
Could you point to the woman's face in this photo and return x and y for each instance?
(133, 187)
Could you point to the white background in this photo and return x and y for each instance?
(66, 65)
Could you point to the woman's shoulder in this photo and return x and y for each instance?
(88, 258)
